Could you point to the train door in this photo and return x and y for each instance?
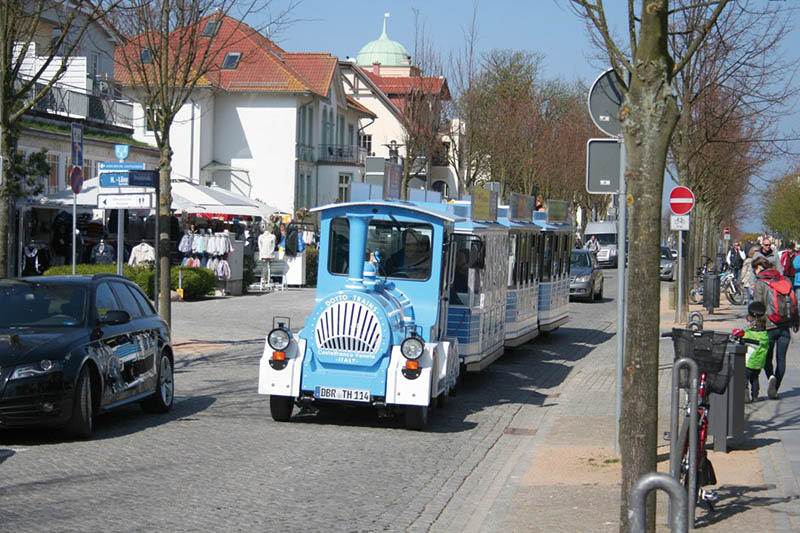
(446, 283)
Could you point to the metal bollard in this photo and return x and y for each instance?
(677, 499)
(676, 447)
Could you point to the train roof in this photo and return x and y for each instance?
(463, 220)
(540, 219)
(400, 205)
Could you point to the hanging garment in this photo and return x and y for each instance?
(142, 253)
(266, 246)
(102, 254)
(185, 244)
(223, 270)
(35, 260)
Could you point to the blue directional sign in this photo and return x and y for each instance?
(112, 166)
(114, 179)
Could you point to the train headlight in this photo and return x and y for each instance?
(412, 348)
(278, 339)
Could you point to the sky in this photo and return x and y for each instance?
(548, 27)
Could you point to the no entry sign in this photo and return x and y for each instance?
(681, 200)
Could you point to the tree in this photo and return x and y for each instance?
(781, 205)
(648, 116)
(24, 82)
(169, 50)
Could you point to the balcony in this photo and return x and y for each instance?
(339, 153)
(103, 109)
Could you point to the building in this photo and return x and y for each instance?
(383, 78)
(270, 124)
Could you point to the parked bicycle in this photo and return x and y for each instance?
(734, 291)
(696, 290)
(708, 349)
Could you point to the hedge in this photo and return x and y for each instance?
(197, 282)
(312, 265)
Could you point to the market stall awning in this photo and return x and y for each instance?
(186, 196)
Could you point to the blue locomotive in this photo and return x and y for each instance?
(410, 294)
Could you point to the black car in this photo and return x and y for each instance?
(72, 347)
(585, 276)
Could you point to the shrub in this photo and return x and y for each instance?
(248, 273)
(197, 282)
(312, 264)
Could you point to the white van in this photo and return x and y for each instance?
(606, 235)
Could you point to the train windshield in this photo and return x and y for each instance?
(401, 249)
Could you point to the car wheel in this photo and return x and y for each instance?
(591, 295)
(161, 401)
(81, 423)
(416, 417)
(280, 407)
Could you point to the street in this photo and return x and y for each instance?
(217, 461)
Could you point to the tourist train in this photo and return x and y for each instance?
(410, 294)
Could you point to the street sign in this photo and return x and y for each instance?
(681, 200)
(679, 222)
(143, 178)
(121, 151)
(111, 166)
(76, 179)
(123, 201)
(114, 179)
(602, 166)
(76, 134)
(605, 99)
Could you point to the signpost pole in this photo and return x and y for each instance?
(74, 228)
(621, 250)
(680, 276)
(155, 267)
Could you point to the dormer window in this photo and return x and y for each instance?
(211, 28)
(231, 60)
(146, 55)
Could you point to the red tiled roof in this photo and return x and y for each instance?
(263, 66)
(402, 85)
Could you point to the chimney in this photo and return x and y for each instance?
(376, 68)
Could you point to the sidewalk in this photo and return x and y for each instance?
(571, 481)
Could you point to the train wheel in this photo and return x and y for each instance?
(416, 417)
(280, 407)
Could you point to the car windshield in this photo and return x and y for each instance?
(665, 253)
(604, 238)
(27, 304)
(580, 260)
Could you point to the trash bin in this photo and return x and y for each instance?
(719, 262)
(711, 289)
(726, 419)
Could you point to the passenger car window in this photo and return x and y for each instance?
(144, 303)
(126, 298)
(104, 300)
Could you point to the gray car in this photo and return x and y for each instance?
(585, 277)
(667, 265)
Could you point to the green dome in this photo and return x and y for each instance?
(384, 51)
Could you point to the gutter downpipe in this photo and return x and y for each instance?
(191, 145)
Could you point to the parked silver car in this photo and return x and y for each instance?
(667, 265)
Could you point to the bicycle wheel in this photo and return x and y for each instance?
(696, 295)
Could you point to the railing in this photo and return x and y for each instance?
(305, 153)
(341, 153)
(100, 108)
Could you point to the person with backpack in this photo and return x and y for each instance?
(736, 258)
(756, 355)
(786, 258)
(778, 297)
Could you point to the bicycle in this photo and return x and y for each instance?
(734, 291)
(696, 291)
(708, 350)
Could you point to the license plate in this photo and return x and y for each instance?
(338, 393)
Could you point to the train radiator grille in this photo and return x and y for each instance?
(348, 327)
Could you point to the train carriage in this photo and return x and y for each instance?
(554, 259)
(376, 335)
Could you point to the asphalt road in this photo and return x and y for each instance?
(217, 461)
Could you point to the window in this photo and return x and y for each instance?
(580, 260)
(310, 140)
(144, 303)
(53, 159)
(211, 28)
(146, 56)
(365, 142)
(149, 119)
(126, 298)
(104, 300)
(439, 158)
(350, 135)
(231, 60)
(344, 188)
(402, 249)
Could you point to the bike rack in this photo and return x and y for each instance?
(647, 483)
(695, 317)
(675, 447)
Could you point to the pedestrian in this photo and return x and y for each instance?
(766, 251)
(796, 277)
(775, 292)
(747, 277)
(756, 355)
(785, 260)
(735, 258)
(592, 245)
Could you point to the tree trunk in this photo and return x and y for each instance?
(6, 210)
(164, 203)
(648, 116)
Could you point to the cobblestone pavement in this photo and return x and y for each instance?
(217, 461)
